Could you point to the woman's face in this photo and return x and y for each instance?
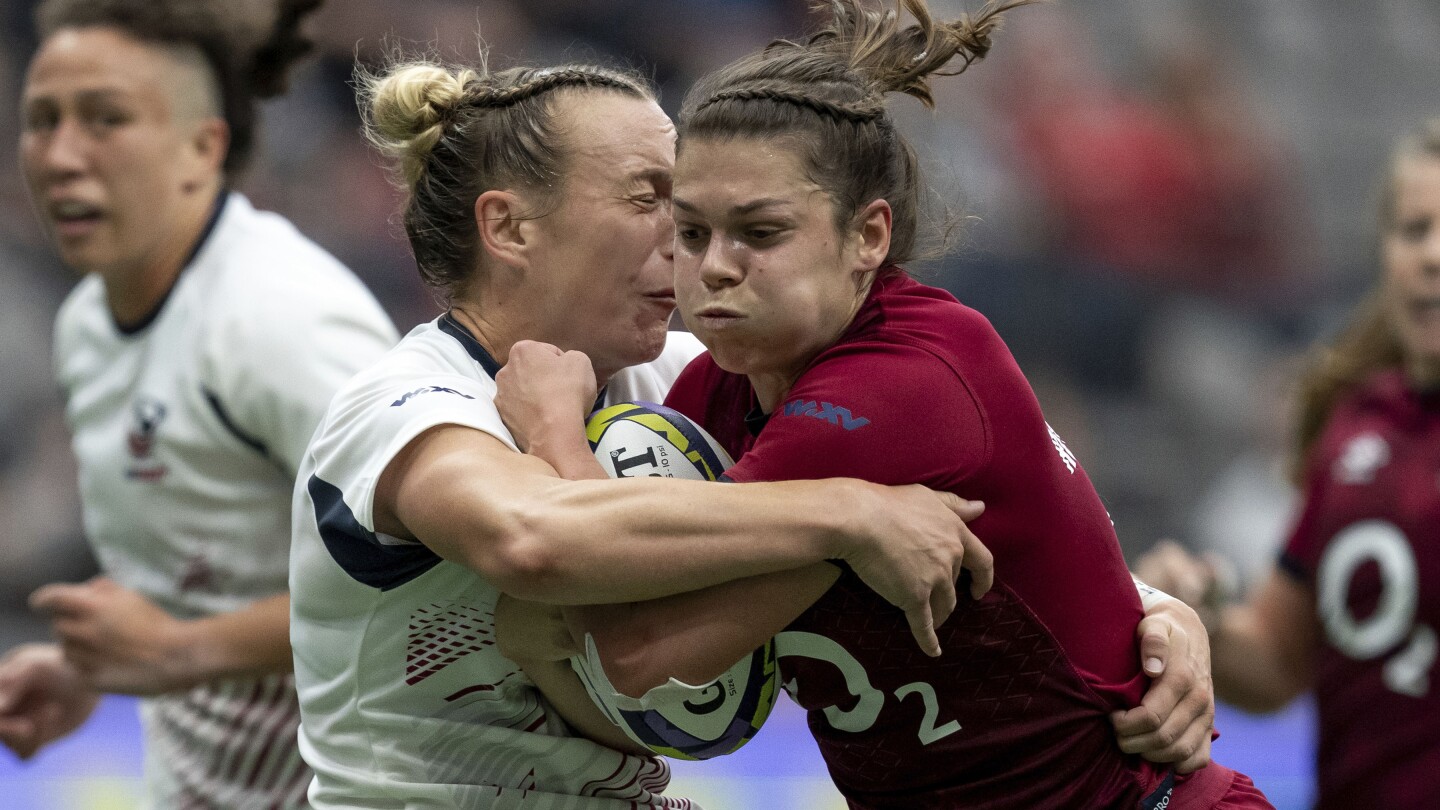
(115, 145)
(762, 274)
(605, 282)
(1411, 251)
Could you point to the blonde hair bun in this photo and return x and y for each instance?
(407, 109)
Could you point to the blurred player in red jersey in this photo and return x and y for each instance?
(1352, 606)
(795, 199)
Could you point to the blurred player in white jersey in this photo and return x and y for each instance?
(196, 355)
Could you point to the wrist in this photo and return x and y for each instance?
(848, 505)
(188, 655)
(571, 457)
(1150, 596)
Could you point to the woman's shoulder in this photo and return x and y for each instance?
(425, 351)
(257, 274)
(426, 366)
(912, 329)
(902, 309)
(1360, 421)
(259, 255)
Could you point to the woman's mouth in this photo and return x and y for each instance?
(74, 218)
(717, 317)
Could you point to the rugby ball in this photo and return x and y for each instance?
(640, 439)
(675, 719)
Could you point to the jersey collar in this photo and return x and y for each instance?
(141, 325)
(457, 330)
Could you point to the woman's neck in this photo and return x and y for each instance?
(490, 335)
(770, 389)
(134, 291)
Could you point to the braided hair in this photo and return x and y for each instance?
(249, 56)
(455, 133)
(828, 92)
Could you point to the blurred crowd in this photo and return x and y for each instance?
(1160, 204)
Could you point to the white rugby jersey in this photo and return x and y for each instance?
(406, 701)
(188, 431)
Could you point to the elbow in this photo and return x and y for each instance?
(632, 673)
(633, 663)
(520, 562)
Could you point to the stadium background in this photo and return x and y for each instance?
(1163, 203)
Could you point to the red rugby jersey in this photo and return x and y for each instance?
(920, 389)
(1367, 542)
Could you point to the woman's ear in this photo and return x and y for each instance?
(498, 218)
(871, 235)
(208, 145)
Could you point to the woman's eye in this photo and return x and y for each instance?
(108, 119)
(1415, 230)
(40, 121)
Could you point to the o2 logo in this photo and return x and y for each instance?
(1393, 621)
(857, 681)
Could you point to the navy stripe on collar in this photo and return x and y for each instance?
(756, 420)
(140, 325)
(455, 329)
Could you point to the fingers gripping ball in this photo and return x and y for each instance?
(675, 719)
(639, 439)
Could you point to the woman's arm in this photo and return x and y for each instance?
(507, 516)
(1264, 650)
(534, 636)
(695, 637)
(122, 642)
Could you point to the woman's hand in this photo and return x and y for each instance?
(1174, 720)
(118, 640)
(42, 698)
(914, 546)
(544, 394)
(530, 631)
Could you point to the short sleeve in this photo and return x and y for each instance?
(370, 423)
(886, 413)
(1301, 554)
(273, 366)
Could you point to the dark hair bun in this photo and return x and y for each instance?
(270, 65)
(250, 46)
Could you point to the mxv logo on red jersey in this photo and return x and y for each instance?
(834, 414)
